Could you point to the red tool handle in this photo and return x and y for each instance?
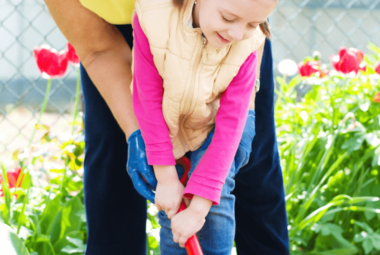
(192, 244)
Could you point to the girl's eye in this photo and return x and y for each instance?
(226, 20)
(252, 26)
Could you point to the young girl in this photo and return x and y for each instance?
(193, 76)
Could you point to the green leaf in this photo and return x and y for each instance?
(72, 215)
(358, 238)
(346, 251)
(152, 242)
(353, 144)
(364, 225)
(7, 210)
(43, 239)
(71, 250)
(10, 243)
(65, 243)
(375, 240)
(76, 246)
(375, 160)
(295, 81)
(333, 229)
(374, 205)
(367, 245)
(325, 231)
(374, 48)
(333, 241)
(299, 240)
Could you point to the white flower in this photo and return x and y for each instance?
(287, 67)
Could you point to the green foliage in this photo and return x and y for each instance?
(329, 144)
(51, 219)
(10, 243)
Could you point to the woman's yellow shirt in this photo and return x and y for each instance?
(113, 11)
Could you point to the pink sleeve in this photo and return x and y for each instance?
(147, 102)
(209, 176)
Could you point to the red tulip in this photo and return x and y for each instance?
(308, 68)
(348, 60)
(376, 97)
(12, 179)
(377, 67)
(52, 64)
(72, 55)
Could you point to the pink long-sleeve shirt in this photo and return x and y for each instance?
(209, 176)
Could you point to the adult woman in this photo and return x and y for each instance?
(116, 213)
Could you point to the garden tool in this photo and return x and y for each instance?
(192, 244)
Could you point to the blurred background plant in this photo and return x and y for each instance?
(327, 122)
(329, 145)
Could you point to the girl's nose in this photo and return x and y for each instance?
(236, 33)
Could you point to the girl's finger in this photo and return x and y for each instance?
(175, 237)
(182, 241)
(171, 213)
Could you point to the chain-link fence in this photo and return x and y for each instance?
(299, 27)
(303, 26)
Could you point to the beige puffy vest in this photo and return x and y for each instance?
(194, 73)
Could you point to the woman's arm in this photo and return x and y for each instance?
(103, 52)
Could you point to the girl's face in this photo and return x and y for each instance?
(225, 21)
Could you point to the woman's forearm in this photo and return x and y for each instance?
(110, 71)
(103, 52)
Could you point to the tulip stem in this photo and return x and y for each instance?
(76, 101)
(20, 217)
(42, 109)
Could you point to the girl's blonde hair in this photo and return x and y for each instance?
(263, 26)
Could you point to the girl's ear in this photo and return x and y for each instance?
(266, 30)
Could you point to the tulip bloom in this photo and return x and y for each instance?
(308, 68)
(377, 67)
(12, 177)
(348, 60)
(72, 56)
(52, 64)
(376, 98)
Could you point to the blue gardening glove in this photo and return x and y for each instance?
(138, 167)
(245, 146)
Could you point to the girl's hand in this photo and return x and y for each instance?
(185, 224)
(190, 221)
(169, 190)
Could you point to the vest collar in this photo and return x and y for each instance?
(192, 32)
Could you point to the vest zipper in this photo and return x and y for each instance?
(204, 42)
(189, 98)
(193, 78)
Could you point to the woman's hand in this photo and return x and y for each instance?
(169, 190)
(138, 167)
(190, 221)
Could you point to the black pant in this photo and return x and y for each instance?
(116, 213)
